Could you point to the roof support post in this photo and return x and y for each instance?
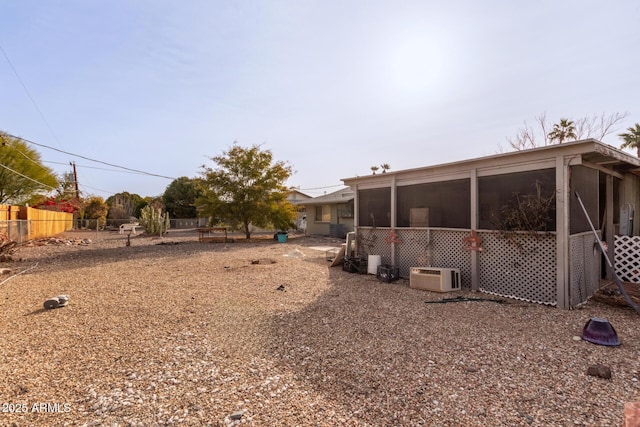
(562, 233)
(475, 278)
(394, 216)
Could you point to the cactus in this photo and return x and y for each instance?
(153, 221)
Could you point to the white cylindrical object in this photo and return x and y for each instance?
(372, 264)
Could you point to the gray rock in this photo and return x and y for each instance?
(599, 371)
(236, 415)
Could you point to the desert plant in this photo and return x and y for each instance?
(7, 248)
(154, 221)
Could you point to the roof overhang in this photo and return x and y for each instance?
(588, 152)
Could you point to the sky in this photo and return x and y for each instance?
(331, 87)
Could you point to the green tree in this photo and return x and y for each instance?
(22, 174)
(247, 188)
(96, 209)
(565, 130)
(631, 138)
(180, 198)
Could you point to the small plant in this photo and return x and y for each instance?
(7, 248)
(153, 221)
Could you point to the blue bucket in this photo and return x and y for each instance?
(282, 238)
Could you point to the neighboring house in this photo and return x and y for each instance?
(428, 216)
(331, 214)
(298, 198)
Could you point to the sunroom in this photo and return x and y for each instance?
(511, 223)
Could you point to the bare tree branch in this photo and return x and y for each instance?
(594, 126)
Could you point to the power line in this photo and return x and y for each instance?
(24, 176)
(90, 159)
(320, 188)
(33, 101)
(94, 167)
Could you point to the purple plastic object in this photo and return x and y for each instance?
(600, 331)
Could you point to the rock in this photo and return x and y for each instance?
(51, 303)
(280, 288)
(236, 415)
(600, 371)
(5, 270)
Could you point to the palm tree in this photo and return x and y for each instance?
(562, 131)
(385, 167)
(631, 138)
(374, 169)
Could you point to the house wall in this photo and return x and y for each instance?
(557, 268)
(319, 228)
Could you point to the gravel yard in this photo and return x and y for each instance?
(171, 331)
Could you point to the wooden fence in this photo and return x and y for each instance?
(33, 223)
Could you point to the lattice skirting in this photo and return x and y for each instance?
(522, 268)
(627, 258)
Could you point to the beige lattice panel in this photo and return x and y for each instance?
(627, 258)
(371, 241)
(584, 268)
(523, 268)
(434, 247)
(418, 247)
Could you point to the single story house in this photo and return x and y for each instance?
(465, 215)
(330, 214)
(298, 198)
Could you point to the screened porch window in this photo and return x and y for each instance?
(323, 213)
(374, 207)
(499, 192)
(444, 204)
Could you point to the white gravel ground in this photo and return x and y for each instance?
(175, 332)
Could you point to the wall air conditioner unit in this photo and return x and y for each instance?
(435, 279)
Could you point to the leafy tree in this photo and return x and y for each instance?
(631, 138)
(95, 208)
(67, 187)
(247, 188)
(538, 134)
(180, 198)
(562, 131)
(125, 205)
(22, 174)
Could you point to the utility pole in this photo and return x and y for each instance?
(75, 179)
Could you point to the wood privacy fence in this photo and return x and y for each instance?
(22, 223)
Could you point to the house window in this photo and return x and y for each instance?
(439, 204)
(345, 210)
(323, 213)
(499, 192)
(374, 207)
